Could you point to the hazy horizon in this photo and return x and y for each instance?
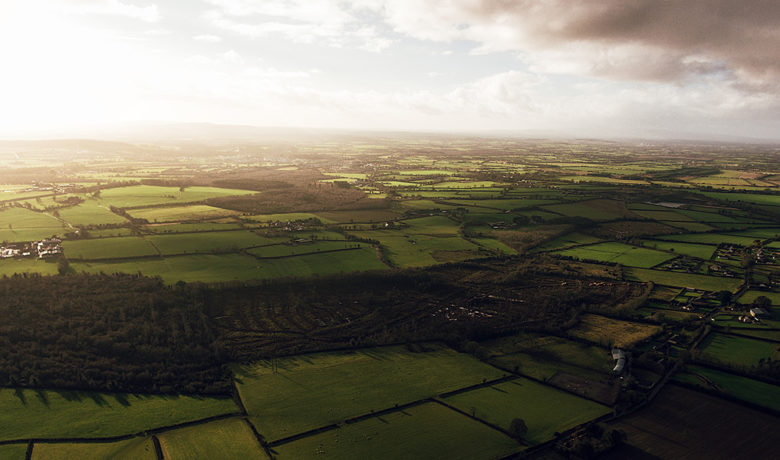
(698, 70)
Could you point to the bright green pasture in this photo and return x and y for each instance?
(757, 392)
(205, 267)
(749, 296)
(67, 414)
(283, 250)
(433, 226)
(149, 195)
(109, 232)
(429, 431)
(759, 233)
(420, 250)
(466, 184)
(108, 248)
(708, 217)
(27, 265)
(181, 213)
(739, 351)
(494, 245)
(315, 390)
(90, 212)
(773, 200)
(427, 172)
(194, 227)
(354, 260)
(18, 224)
(424, 204)
(710, 238)
(545, 410)
(707, 283)
(204, 242)
(129, 449)
(507, 204)
(285, 217)
(702, 251)
(231, 438)
(632, 256)
(368, 215)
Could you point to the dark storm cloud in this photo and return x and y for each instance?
(670, 38)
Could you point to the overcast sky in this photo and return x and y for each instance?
(601, 68)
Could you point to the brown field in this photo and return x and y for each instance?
(602, 330)
(686, 424)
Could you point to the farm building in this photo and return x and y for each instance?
(759, 312)
(620, 360)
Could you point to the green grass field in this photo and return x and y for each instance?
(323, 388)
(542, 356)
(429, 431)
(506, 204)
(285, 217)
(354, 260)
(109, 232)
(739, 351)
(544, 409)
(18, 224)
(108, 248)
(416, 250)
(181, 213)
(27, 265)
(90, 212)
(150, 195)
(568, 240)
(130, 449)
(432, 226)
(228, 439)
(702, 251)
(282, 250)
(632, 256)
(494, 245)
(593, 209)
(229, 267)
(754, 391)
(192, 227)
(48, 413)
(772, 200)
(205, 267)
(748, 297)
(13, 451)
(369, 215)
(689, 280)
(710, 238)
(205, 242)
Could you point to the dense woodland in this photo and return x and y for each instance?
(134, 333)
(119, 332)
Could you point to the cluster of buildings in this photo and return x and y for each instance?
(43, 249)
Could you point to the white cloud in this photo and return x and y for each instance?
(147, 12)
(332, 23)
(207, 38)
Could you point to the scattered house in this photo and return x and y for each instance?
(48, 247)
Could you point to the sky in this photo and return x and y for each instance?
(599, 68)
